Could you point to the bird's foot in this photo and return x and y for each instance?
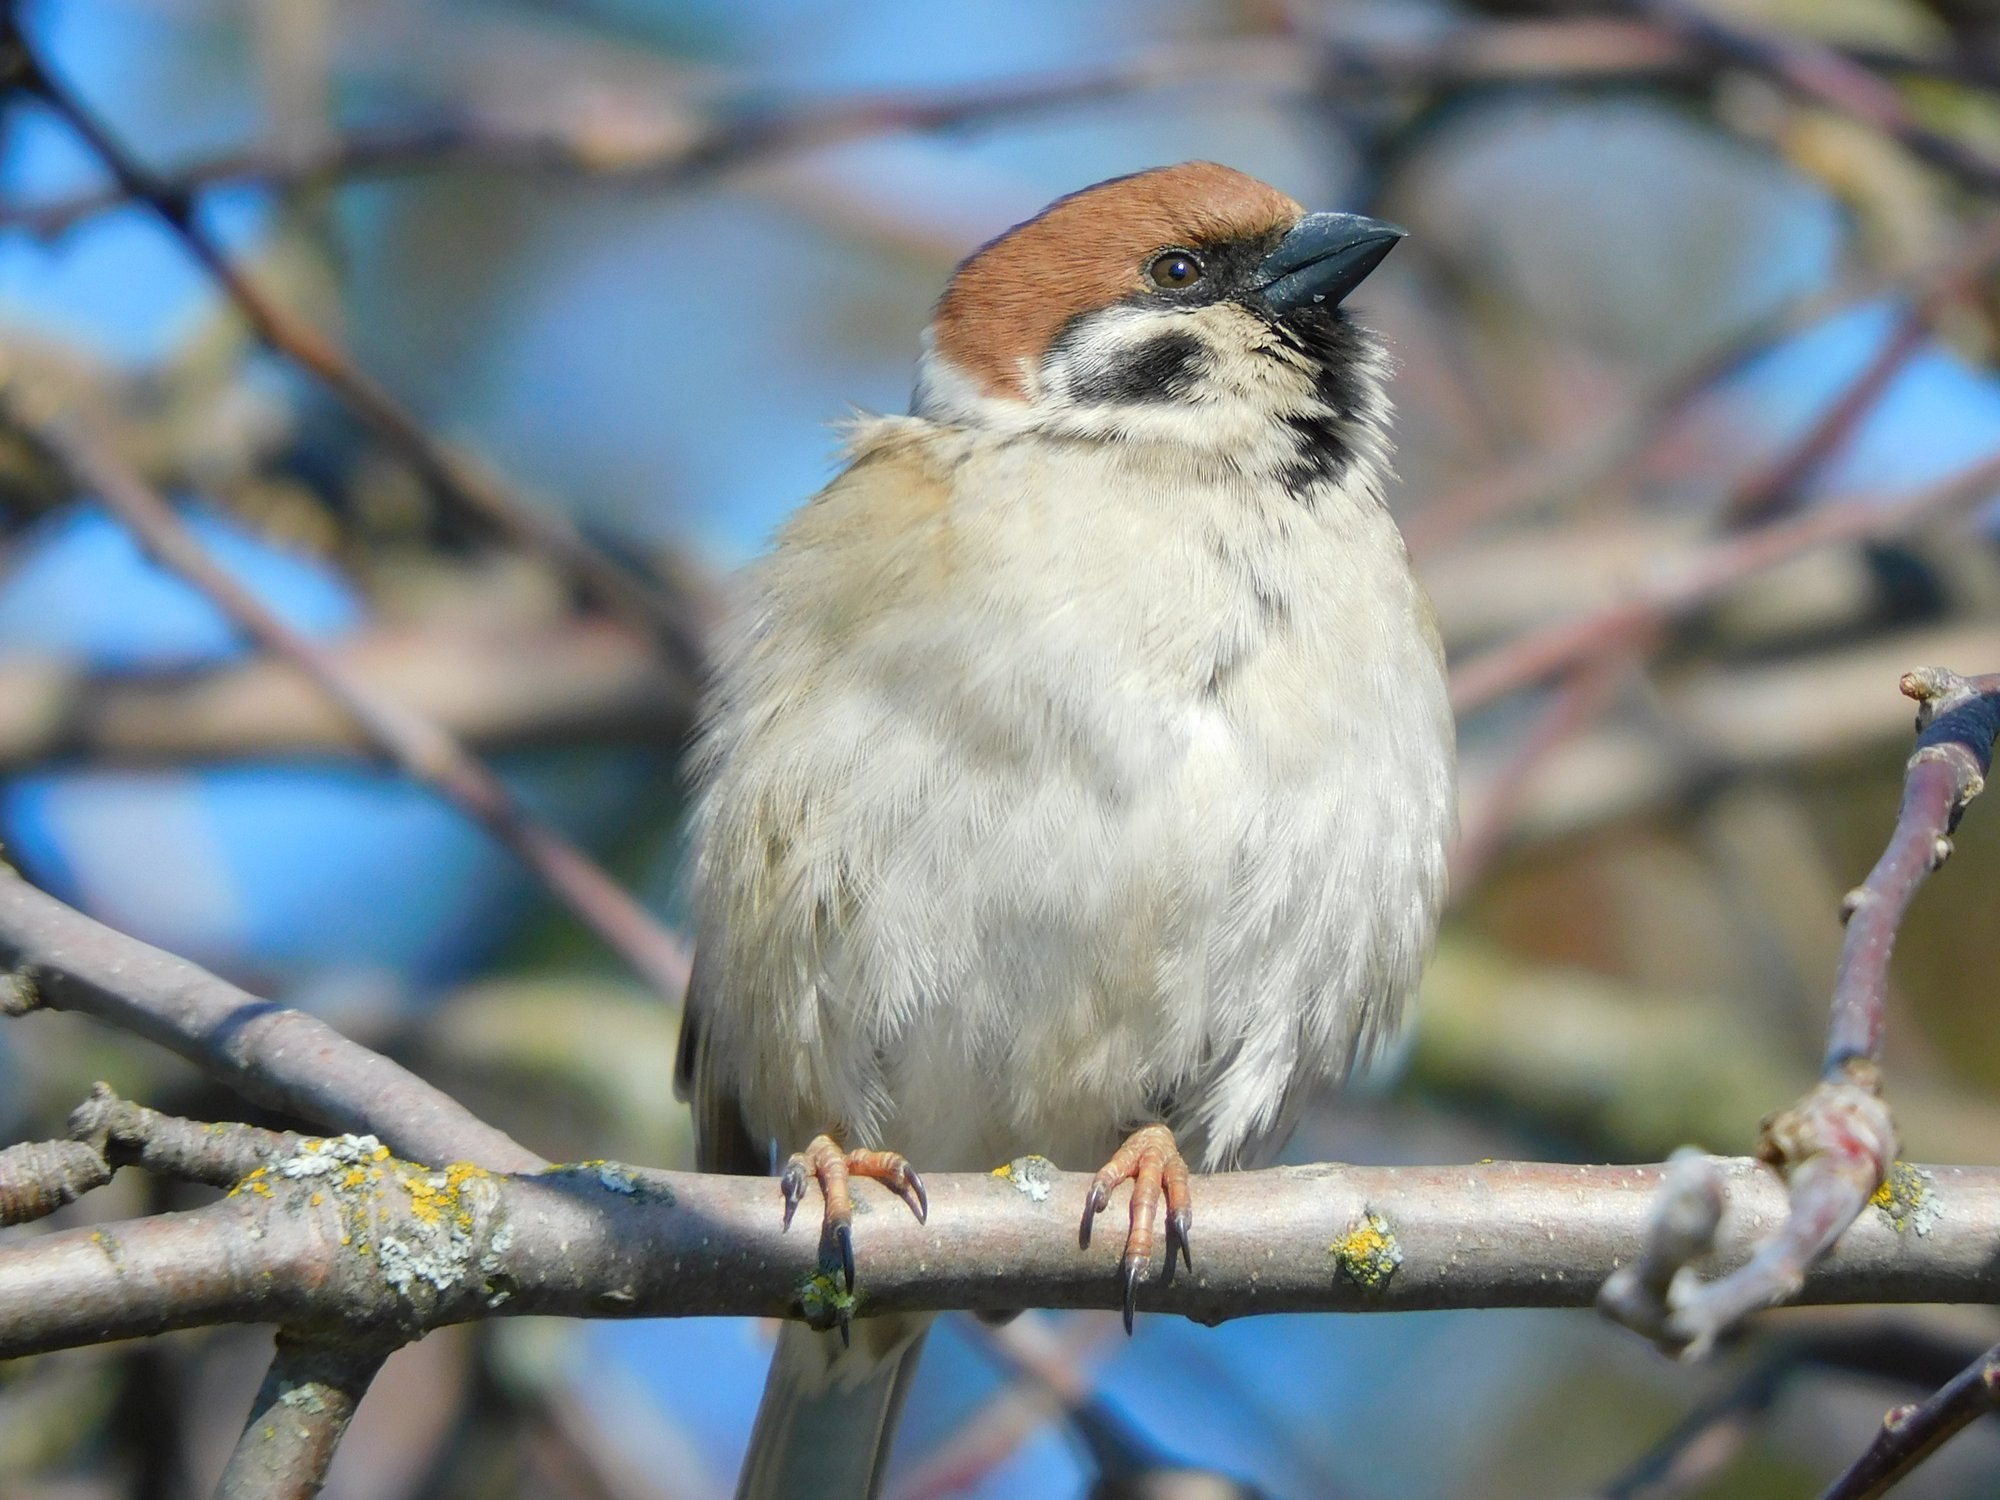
(1152, 1163)
(825, 1161)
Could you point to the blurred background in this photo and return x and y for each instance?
(1699, 428)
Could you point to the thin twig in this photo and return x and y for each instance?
(107, 1132)
(422, 749)
(1910, 1434)
(641, 604)
(128, 1134)
(39, 1177)
(1957, 719)
(299, 1417)
(1834, 1148)
(1680, 1230)
(1689, 1459)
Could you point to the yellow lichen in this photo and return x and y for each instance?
(1368, 1254)
(436, 1197)
(1908, 1198)
(825, 1300)
(258, 1181)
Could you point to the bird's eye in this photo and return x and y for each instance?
(1174, 270)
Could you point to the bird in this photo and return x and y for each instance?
(1076, 772)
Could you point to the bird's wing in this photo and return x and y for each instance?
(865, 544)
(722, 1141)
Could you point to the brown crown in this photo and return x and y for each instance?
(1012, 296)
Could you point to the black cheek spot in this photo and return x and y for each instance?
(1161, 369)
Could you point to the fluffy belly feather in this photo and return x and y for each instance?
(1036, 960)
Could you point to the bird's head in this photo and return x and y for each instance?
(1185, 305)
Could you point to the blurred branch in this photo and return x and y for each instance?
(675, 155)
(1776, 490)
(641, 603)
(993, 1432)
(1612, 453)
(1686, 583)
(1829, 77)
(1758, 498)
(341, 1234)
(1711, 722)
(1575, 704)
(420, 747)
(1129, 1465)
(1624, 1072)
(1694, 1455)
(1834, 1147)
(572, 682)
(283, 1059)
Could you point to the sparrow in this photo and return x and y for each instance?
(1077, 771)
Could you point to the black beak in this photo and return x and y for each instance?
(1325, 257)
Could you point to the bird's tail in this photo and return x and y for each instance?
(829, 1411)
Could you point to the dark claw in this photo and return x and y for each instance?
(845, 1320)
(1090, 1209)
(916, 1197)
(843, 1235)
(793, 1181)
(1178, 1224)
(1132, 1268)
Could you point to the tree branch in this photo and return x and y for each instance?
(341, 1235)
(281, 1058)
(298, 1419)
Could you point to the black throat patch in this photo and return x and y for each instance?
(1339, 352)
